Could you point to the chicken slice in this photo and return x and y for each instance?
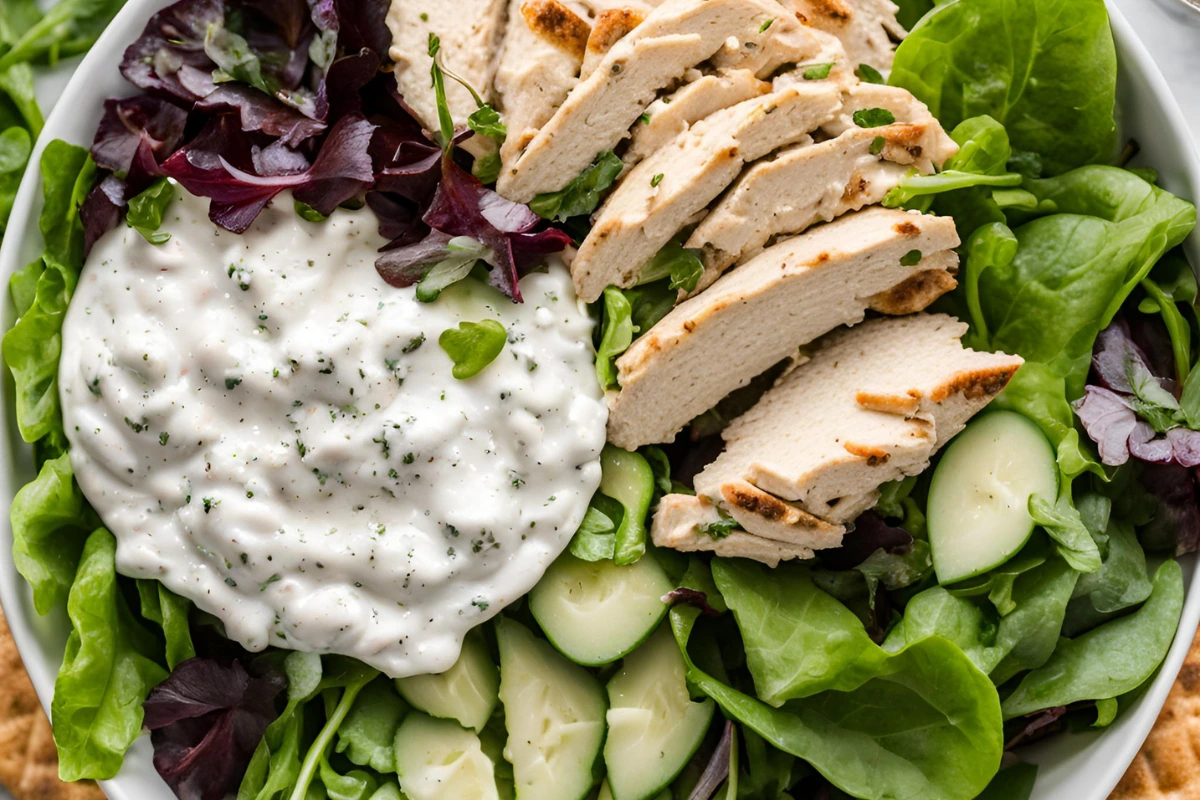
(763, 311)
(680, 522)
(810, 183)
(543, 49)
(470, 33)
(867, 29)
(667, 191)
(599, 112)
(611, 26)
(671, 115)
(874, 404)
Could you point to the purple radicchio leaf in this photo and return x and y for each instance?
(1036, 726)
(462, 206)
(1109, 420)
(870, 533)
(399, 221)
(206, 720)
(168, 59)
(1118, 361)
(135, 133)
(102, 209)
(341, 170)
(363, 24)
(280, 33)
(346, 78)
(1175, 527)
(260, 112)
(690, 597)
(717, 770)
(405, 266)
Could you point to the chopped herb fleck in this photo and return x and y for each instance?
(817, 72)
(163, 437)
(137, 427)
(763, 28)
(412, 345)
(656, 180)
(719, 529)
(877, 145)
(868, 74)
(232, 383)
(873, 117)
(911, 258)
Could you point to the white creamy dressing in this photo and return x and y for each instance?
(273, 432)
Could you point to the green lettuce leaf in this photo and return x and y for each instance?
(367, 736)
(170, 612)
(582, 195)
(1045, 69)
(1110, 660)
(50, 522)
(107, 671)
(925, 724)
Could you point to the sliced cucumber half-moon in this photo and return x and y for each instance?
(978, 512)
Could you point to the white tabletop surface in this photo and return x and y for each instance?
(1170, 29)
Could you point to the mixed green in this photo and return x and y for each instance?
(901, 665)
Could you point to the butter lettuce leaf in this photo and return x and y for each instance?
(107, 671)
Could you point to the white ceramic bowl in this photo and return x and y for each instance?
(1073, 767)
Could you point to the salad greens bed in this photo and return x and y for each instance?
(856, 674)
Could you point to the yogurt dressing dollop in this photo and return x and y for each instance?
(274, 433)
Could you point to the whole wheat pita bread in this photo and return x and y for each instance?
(1168, 766)
(28, 761)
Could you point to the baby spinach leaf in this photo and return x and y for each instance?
(17, 83)
(367, 737)
(1023, 639)
(146, 211)
(681, 265)
(1012, 783)
(1122, 580)
(1107, 661)
(926, 724)
(582, 195)
(799, 641)
(1045, 69)
(1062, 522)
(107, 670)
(472, 346)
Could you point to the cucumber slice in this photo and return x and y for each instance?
(467, 692)
(595, 612)
(654, 728)
(554, 712)
(438, 758)
(627, 478)
(978, 512)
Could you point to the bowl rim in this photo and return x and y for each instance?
(14, 457)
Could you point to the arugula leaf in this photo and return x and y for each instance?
(940, 738)
(146, 211)
(472, 346)
(107, 670)
(1053, 87)
(1107, 661)
(582, 195)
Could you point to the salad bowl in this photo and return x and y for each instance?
(1084, 766)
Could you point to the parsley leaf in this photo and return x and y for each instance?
(817, 72)
(719, 529)
(873, 117)
(868, 74)
(486, 122)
